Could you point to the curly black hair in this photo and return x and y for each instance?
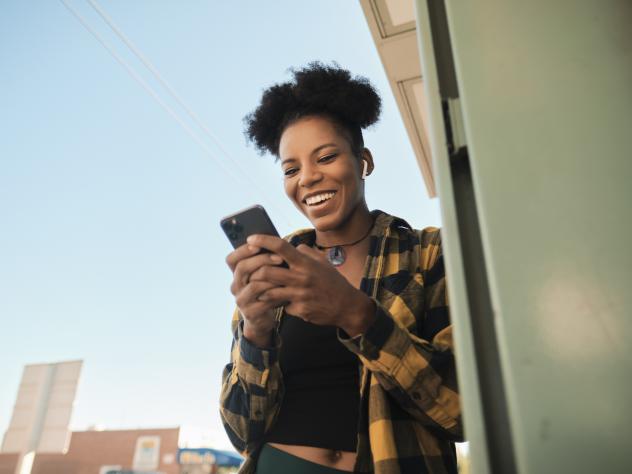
(352, 103)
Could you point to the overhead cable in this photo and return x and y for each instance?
(161, 102)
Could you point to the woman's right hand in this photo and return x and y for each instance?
(259, 316)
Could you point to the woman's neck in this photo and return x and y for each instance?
(353, 229)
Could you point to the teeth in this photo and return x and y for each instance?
(318, 198)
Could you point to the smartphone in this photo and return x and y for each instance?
(252, 220)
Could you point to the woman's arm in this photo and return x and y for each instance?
(417, 370)
(252, 388)
(251, 382)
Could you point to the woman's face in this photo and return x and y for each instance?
(322, 176)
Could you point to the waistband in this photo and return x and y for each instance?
(275, 461)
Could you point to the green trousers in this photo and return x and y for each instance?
(275, 461)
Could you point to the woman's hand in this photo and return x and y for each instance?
(258, 315)
(311, 288)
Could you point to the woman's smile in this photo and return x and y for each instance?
(314, 199)
(321, 203)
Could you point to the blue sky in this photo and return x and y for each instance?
(110, 248)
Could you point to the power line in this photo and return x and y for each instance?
(168, 87)
(161, 102)
(142, 83)
(159, 77)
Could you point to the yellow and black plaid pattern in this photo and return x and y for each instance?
(410, 410)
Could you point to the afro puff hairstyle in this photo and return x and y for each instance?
(352, 103)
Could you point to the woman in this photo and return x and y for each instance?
(343, 361)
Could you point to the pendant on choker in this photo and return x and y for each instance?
(336, 255)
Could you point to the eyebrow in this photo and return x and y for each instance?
(314, 151)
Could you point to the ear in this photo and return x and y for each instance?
(366, 162)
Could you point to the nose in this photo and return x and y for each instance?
(310, 175)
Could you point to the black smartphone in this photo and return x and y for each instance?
(252, 220)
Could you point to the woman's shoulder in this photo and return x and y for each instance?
(424, 244)
(429, 241)
(430, 235)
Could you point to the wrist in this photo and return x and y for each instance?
(261, 338)
(361, 315)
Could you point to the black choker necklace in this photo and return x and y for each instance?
(336, 253)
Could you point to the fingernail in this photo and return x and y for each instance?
(250, 239)
(262, 297)
(275, 259)
(253, 248)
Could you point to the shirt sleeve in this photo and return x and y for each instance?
(252, 388)
(419, 373)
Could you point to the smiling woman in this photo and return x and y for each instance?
(343, 361)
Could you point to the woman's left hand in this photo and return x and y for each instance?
(312, 288)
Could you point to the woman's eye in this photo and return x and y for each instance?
(289, 171)
(327, 158)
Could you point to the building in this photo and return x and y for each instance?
(98, 452)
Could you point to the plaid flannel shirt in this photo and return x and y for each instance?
(409, 406)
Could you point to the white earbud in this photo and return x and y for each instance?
(365, 168)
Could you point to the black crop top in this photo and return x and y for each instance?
(322, 396)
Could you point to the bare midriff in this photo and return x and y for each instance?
(342, 460)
